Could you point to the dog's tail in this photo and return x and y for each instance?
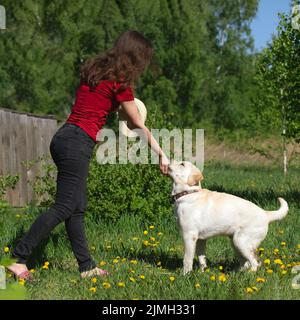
(280, 213)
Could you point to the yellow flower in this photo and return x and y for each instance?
(142, 276)
(255, 288)
(212, 278)
(283, 272)
(22, 282)
(288, 265)
(260, 280)
(108, 247)
(115, 260)
(121, 284)
(276, 251)
(151, 227)
(197, 285)
(172, 278)
(249, 290)
(124, 260)
(102, 263)
(18, 216)
(152, 238)
(278, 261)
(261, 249)
(32, 270)
(45, 267)
(94, 280)
(222, 277)
(93, 289)
(93, 248)
(132, 279)
(135, 238)
(133, 261)
(282, 266)
(221, 268)
(207, 270)
(46, 263)
(145, 232)
(106, 285)
(281, 231)
(6, 249)
(267, 261)
(283, 243)
(146, 243)
(159, 263)
(269, 271)
(298, 246)
(160, 234)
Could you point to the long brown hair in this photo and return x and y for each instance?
(124, 63)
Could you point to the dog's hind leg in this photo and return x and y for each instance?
(200, 251)
(189, 253)
(246, 250)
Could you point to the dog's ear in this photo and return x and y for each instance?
(194, 178)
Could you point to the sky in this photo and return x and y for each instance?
(267, 20)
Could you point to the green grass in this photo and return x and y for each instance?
(124, 241)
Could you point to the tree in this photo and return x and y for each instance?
(278, 77)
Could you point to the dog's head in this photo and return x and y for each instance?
(184, 172)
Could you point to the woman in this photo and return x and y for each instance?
(106, 82)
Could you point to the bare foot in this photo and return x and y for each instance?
(17, 268)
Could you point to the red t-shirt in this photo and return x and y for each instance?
(92, 105)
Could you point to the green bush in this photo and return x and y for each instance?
(7, 181)
(140, 189)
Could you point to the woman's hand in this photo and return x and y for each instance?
(164, 164)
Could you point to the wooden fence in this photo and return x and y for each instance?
(23, 137)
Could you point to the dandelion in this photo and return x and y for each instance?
(6, 249)
(152, 238)
(46, 265)
(142, 277)
(108, 247)
(93, 289)
(267, 261)
(283, 244)
(276, 251)
(94, 280)
(281, 231)
(220, 268)
(158, 263)
(106, 285)
(102, 263)
(22, 282)
(172, 278)
(151, 227)
(283, 272)
(298, 246)
(249, 290)
(269, 271)
(207, 270)
(282, 266)
(93, 248)
(133, 261)
(124, 260)
(160, 234)
(116, 261)
(222, 277)
(135, 238)
(132, 279)
(197, 285)
(32, 270)
(121, 284)
(146, 243)
(260, 280)
(145, 232)
(73, 281)
(261, 249)
(278, 261)
(18, 216)
(212, 278)
(255, 288)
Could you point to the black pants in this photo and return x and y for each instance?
(71, 149)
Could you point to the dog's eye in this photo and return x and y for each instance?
(182, 163)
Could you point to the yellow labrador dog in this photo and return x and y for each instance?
(203, 214)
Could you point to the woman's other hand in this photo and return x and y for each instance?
(164, 164)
